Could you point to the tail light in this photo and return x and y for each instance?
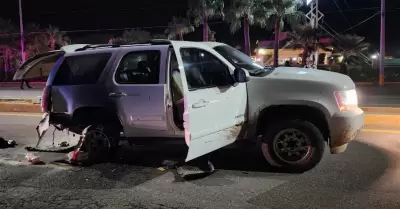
(346, 100)
(45, 103)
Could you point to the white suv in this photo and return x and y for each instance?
(208, 93)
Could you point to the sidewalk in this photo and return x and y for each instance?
(17, 93)
(17, 84)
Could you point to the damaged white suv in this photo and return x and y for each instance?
(207, 93)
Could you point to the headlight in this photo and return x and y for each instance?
(346, 100)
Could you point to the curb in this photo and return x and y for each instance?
(20, 107)
(379, 119)
(16, 100)
(380, 110)
(394, 83)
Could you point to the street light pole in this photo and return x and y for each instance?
(21, 28)
(382, 45)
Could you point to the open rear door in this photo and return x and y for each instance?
(214, 115)
(41, 65)
(38, 66)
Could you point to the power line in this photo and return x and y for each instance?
(361, 9)
(362, 22)
(352, 10)
(345, 1)
(342, 13)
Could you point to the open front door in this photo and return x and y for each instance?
(215, 106)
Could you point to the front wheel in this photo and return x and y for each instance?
(294, 145)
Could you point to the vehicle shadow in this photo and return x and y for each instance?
(237, 157)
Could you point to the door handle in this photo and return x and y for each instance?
(201, 103)
(119, 94)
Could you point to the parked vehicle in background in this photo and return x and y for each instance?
(116, 92)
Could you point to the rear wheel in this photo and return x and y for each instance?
(294, 145)
(99, 143)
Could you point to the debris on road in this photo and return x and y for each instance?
(77, 156)
(50, 149)
(6, 144)
(64, 144)
(33, 159)
(170, 164)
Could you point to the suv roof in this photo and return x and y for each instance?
(146, 43)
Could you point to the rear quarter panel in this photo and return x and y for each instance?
(66, 99)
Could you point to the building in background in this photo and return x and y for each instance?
(265, 51)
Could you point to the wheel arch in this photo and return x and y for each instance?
(280, 112)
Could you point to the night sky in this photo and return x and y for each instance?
(80, 16)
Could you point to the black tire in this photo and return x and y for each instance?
(99, 143)
(306, 132)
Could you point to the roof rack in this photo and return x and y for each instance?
(97, 46)
(150, 42)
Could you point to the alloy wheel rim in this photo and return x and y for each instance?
(292, 146)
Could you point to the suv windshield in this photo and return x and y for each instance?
(241, 60)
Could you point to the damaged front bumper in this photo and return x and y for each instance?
(344, 127)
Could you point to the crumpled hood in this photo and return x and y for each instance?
(307, 74)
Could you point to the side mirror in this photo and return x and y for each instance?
(241, 75)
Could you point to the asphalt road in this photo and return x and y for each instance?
(366, 176)
(388, 96)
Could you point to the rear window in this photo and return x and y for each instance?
(81, 69)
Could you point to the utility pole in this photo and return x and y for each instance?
(314, 16)
(382, 47)
(21, 28)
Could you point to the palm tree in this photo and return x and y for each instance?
(203, 10)
(304, 37)
(55, 36)
(160, 36)
(250, 12)
(131, 37)
(178, 27)
(36, 42)
(9, 45)
(351, 47)
(280, 11)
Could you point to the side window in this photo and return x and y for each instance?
(204, 70)
(81, 69)
(141, 67)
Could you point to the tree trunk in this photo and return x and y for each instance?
(205, 29)
(304, 57)
(52, 44)
(181, 36)
(276, 44)
(246, 36)
(6, 60)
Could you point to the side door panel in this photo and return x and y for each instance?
(213, 116)
(141, 107)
